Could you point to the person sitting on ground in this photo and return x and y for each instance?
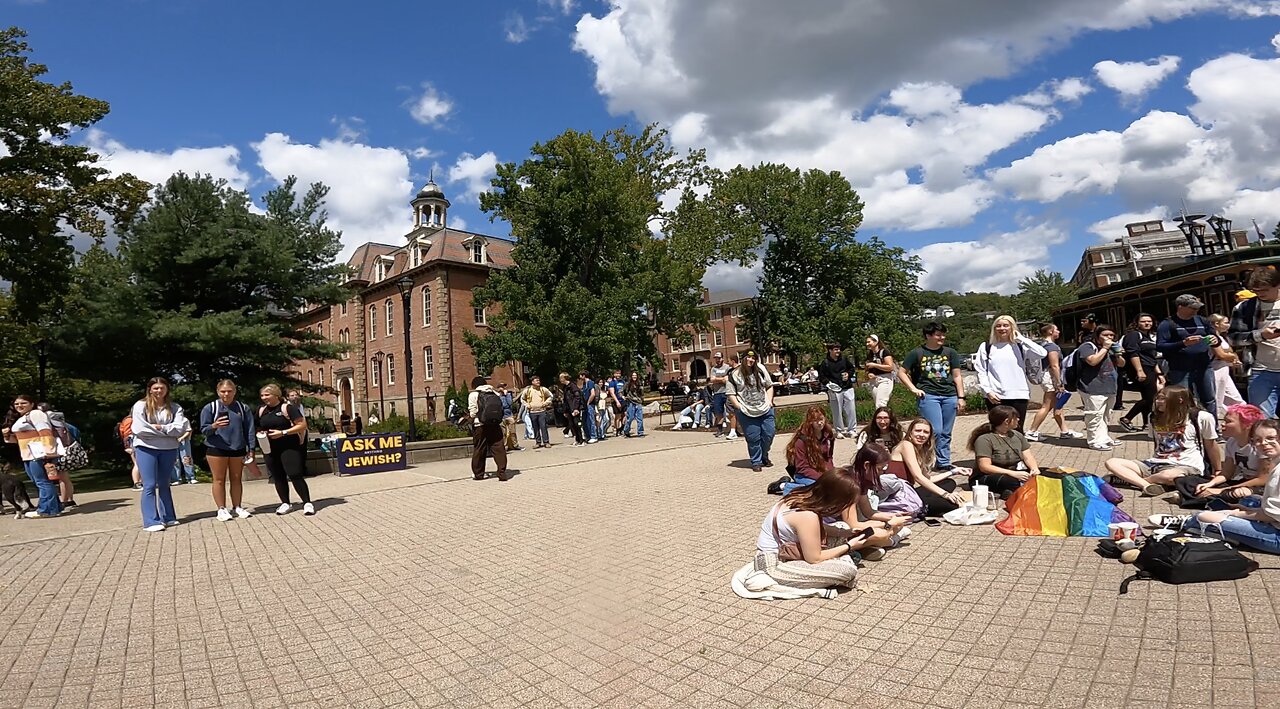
(802, 522)
(1240, 476)
(1184, 437)
(884, 429)
(1004, 458)
(1255, 522)
(912, 460)
(811, 451)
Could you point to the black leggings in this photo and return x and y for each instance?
(285, 466)
(1147, 390)
(998, 483)
(935, 505)
(1019, 405)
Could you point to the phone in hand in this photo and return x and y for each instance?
(864, 533)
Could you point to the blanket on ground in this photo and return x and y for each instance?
(1063, 503)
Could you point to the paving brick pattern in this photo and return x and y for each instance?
(598, 577)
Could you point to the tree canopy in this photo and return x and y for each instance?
(601, 264)
(49, 188)
(1040, 293)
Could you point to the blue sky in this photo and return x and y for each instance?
(991, 137)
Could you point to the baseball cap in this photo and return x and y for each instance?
(1245, 294)
(718, 355)
(1186, 300)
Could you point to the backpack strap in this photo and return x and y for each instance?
(1139, 576)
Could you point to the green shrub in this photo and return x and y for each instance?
(426, 431)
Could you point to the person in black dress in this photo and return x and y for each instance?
(285, 428)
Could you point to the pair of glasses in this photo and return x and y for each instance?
(1269, 439)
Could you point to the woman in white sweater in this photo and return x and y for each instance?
(1002, 366)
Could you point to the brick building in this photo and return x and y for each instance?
(1146, 247)
(443, 266)
(724, 317)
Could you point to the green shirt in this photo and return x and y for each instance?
(931, 369)
(1004, 451)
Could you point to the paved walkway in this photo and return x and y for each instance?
(597, 577)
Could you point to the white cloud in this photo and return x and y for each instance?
(1134, 79)
(730, 276)
(423, 153)
(515, 28)
(369, 186)
(563, 6)
(430, 107)
(474, 172)
(457, 223)
(1112, 228)
(1262, 205)
(994, 263)
(154, 166)
(1081, 163)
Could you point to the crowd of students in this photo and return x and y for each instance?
(832, 517)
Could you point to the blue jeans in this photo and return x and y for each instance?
(759, 431)
(157, 499)
(800, 481)
(589, 422)
(1255, 535)
(184, 453)
(49, 504)
(528, 424)
(1264, 391)
(941, 413)
(635, 412)
(1200, 382)
(538, 421)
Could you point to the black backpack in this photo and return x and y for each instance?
(1187, 557)
(490, 407)
(1071, 371)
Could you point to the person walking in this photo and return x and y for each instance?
(933, 373)
(228, 429)
(840, 376)
(1255, 329)
(1142, 366)
(1185, 339)
(510, 440)
(589, 393)
(716, 382)
(158, 427)
(1097, 384)
(1224, 360)
(880, 369)
(1052, 385)
(285, 428)
(484, 405)
(573, 407)
(32, 433)
(1003, 373)
(633, 394)
(750, 391)
(537, 400)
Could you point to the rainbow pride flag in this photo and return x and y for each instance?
(1062, 503)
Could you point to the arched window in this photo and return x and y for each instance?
(309, 377)
(373, 321)
(391, 310)
(426, 306)
(391, 370)
(428, 363)
(374, 375)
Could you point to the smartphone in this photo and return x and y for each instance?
(932, 523)
(864, 533)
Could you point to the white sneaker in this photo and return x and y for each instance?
(224, 515)
(154, 528)
(174, 523)
(1070, 434)
(284, 508)
(591, 440)
(904, 533)
(242, 513)
(308, 509)
(1103, 447)
(1032, 435)
(732, 435)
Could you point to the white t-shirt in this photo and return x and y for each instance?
(1267, 357)
(1182, 446)
(1245, 457)
(786, 533)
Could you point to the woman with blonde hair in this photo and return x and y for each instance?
(1224, 360)
(912, 460)
(228, 431)
(1002, 365)
(158, 427)
(286, 456)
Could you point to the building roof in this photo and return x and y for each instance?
(447, 245)
(726, 296)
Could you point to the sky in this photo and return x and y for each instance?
(990, 138)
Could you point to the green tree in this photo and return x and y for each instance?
(204, 288)
(48, 186)
(600, 263)
(819, 282)
(1040, 293)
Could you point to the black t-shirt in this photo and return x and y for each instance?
(1141, 344)
(280, 417)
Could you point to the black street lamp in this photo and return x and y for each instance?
(1222, 232)
(405, 286)
(377, 362)
(1193, 229)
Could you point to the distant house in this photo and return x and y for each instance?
(946, 311)
(988, 314)
(942, 311)
(926, 313)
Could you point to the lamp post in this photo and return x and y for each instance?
(1222, 232)
(405, 286)
(1193, 229)
(377, 362)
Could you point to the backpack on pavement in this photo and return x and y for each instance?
(490, 405)
(1187, 557)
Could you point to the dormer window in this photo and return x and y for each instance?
(416, 255)
(476, 249)
(381, 268)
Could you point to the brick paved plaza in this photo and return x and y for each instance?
(597, 577)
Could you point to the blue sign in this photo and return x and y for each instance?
(374, 453)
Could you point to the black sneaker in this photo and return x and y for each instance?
(1127, 425)
(69, 505)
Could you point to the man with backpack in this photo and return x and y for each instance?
(485, 407)
(1185, 339)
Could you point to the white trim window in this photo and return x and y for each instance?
(719, 338)
(373, 321)
(428, 363)
(391, 370)
(481, 316)
(391, 312)
(426, 306)
(374, 377)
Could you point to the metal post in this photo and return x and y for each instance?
(408, 366)
(382, 404)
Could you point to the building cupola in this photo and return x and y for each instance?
(430, 207)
